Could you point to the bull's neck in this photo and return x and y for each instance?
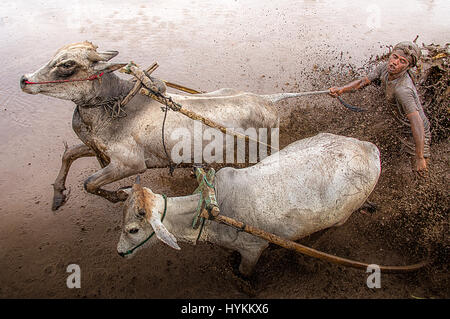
(179, 217)
(110, 86)
(113, 86)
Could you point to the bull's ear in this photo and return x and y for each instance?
(107, 55)
(107, 67)
(102, 55)
(161, 231)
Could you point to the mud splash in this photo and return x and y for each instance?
(263, 47)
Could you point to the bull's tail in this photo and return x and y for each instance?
(282, 96)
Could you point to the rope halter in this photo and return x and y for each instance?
(90, 78)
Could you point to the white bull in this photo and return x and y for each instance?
(131, 144)
(310, 185)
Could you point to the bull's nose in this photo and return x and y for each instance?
(121, 254)
(23, 80)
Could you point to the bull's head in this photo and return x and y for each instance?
(142, 214)
(73, 61)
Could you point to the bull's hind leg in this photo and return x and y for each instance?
(70, 155)
(114, 171)
(249, 257)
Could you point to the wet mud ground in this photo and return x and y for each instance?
(411, 216)
(36, 244)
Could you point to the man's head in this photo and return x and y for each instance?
(404, 56)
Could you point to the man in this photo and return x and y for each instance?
(403, 100)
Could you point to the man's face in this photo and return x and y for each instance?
(397, 63)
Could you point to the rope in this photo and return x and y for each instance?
(208, 183)
(207, 199)
(90, 78)
(113, 105)
(171, 166)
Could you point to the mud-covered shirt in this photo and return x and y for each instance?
(402, 98)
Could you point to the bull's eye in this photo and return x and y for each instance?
(67, 64)
(133, 230)
(66, 69)
(141, 212)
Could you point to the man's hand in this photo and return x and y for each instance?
(336, 91)
(421, 166)
(352, 86)
(418, 133)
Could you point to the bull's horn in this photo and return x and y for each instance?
(107, 67)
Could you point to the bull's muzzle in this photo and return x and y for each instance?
(23, 83)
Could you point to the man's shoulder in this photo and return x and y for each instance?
(378, 71)
(405, 85)
(381, 67)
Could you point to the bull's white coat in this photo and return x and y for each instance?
(310, 185)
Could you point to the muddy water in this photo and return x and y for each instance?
(260, 46)
(255, 45)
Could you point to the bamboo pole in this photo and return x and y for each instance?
(179, 108)
(289, 244)
(181, 88)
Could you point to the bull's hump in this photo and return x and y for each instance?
(78, 45)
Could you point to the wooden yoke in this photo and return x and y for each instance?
(138, 84)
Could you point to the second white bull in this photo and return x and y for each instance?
(310, 185)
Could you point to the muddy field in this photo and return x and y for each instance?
(36, 244)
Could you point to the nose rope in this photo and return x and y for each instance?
(91, 78)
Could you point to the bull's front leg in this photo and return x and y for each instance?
(114, 171)
(70, 155)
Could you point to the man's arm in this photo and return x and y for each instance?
(350, 87)
(418, 133)
(360, 83)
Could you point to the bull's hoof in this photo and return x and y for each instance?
(59, 199)
(370, 207)
(235, 262)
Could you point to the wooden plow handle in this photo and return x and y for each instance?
(289, 244)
